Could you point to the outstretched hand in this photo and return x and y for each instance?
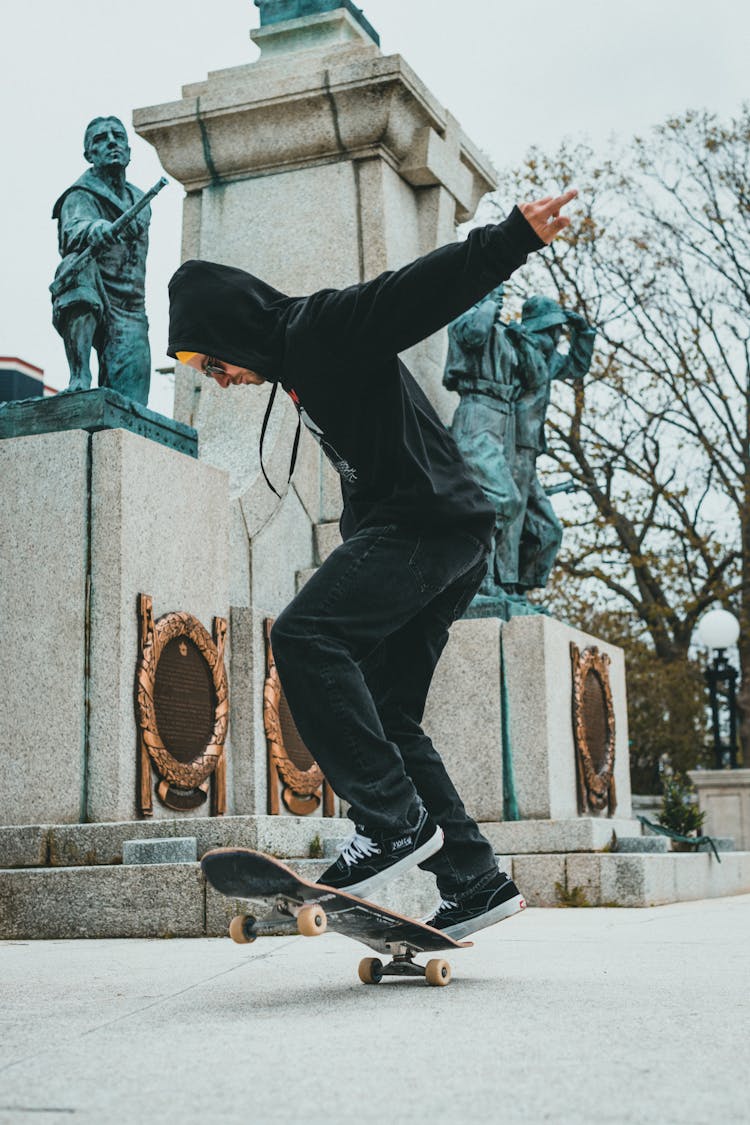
(544, 215)
(100, 234)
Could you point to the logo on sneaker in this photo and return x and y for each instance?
(404, 842)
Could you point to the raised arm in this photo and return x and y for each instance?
(576, 363)
(399, 308)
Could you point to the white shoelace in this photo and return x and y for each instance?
(358, 847)
(446, 904)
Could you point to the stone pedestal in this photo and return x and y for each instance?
(539, 683)
(464, 717)
(90, 521)
(724, 796)
(44, 489)
(519, 743)
(160, 526)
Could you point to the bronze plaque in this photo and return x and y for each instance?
(182, 710)
(593, 731)
(293, 744)
(595, 719)
(184, 699)
(291, 766)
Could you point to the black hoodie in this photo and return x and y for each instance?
(336, 354)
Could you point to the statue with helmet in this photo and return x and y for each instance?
(504, 373)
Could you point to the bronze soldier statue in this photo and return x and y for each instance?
(102, 305)
(535, 535)
(481, 367)
(504, 373)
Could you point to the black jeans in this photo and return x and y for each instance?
(356, 651)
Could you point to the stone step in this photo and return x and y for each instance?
(326, 537)
(149, 900)
(721, 843)
(153, 900)
(656, 844)
(303, 576)
(173, 900)
(584, 834)
(176, 849)
(87, 845)
(638, 844)
(660, 844)
(614, 879)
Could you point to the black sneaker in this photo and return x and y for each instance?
(497, 899)
(370, 860)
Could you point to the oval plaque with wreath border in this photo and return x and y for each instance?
(291, 766)
(593, 730)
(182, 709)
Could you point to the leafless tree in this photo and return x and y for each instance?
(658, 438)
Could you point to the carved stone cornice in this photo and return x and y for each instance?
(311, 108)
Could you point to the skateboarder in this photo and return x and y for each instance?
(357, 647)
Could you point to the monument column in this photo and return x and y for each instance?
(321, 164)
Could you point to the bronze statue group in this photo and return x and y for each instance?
(504, 374)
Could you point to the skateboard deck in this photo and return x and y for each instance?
(290, 903)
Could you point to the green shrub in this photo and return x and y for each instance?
(678, 812)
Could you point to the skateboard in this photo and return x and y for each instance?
(292, 904)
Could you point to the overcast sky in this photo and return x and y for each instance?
(514, 74)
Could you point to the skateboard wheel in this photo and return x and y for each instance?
(312, 920)
(241, 929)
(370, 970)
(437, 973)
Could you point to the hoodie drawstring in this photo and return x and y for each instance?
(295, 446)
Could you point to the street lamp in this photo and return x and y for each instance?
(719, 630)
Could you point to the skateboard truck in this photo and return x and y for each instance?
(372, 970)
(309, 920)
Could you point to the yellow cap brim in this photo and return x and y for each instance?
(185, 357)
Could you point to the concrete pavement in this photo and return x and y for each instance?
(597, 1016)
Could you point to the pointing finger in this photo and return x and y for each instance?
(560, 201)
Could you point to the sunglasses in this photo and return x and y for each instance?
(213, 366)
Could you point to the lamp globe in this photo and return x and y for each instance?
(718, 629)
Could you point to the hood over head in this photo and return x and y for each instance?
(229, 314)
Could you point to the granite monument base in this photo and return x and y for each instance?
(511, 750)
(539, 673)
(44, 516)
(463, 716)
(70, 881)
(90, 521)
